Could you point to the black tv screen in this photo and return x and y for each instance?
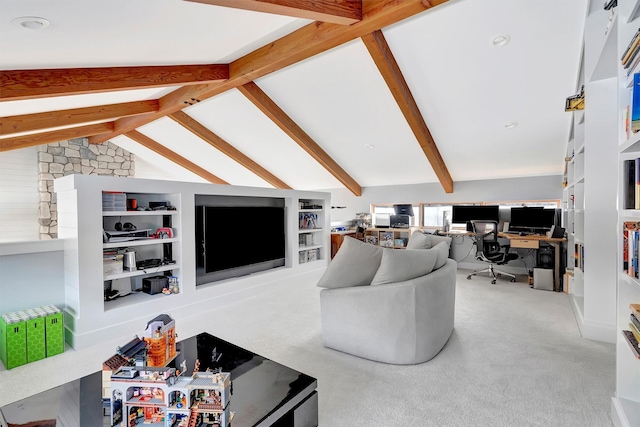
(532, 218)
(232, 237)
(461, 214)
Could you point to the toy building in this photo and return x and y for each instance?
(153, 396)
(160, 336)
(156, 348)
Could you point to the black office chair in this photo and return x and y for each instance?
(488, 249)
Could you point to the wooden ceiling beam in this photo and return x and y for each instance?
(223, 146)
(386, 63)
(291, 128)
(173, 156)
(76, 116)
(299, 45)
(24, 141)
(342, 12)
(32, 84)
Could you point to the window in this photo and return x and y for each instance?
(435, 215)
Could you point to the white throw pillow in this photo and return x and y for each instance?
(419, 240)
(355, 264)
(398, 265)
(435, 239)
(442, 249)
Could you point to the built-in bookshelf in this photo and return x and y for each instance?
(589, 198)
(311, 232)
(83, 217)
(626, 402)
(395, 238)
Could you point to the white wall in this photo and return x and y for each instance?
(19, 204)
(147, 170)
(529, 188)
(31, 274)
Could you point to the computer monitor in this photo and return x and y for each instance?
(461, 214)
(403, 209)
(533, 219)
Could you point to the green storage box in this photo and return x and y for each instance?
(36, 349)
(54, 330)
(13, 341)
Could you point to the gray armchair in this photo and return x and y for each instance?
(405, 322)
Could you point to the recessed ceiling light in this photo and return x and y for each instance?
(370, 146)
(500, 40)
(510, 125)
(31, 22)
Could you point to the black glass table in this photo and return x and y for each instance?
(264, 393)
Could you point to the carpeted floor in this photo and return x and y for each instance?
(515, 359)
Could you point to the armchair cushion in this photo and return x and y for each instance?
(355, 264)
(400, 265)
(442, 250)
(435, 239)
(418, 240)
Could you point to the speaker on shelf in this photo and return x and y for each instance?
(546, 257)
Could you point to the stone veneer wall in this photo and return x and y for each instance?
(58, 159)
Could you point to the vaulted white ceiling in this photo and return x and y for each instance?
(466, 88)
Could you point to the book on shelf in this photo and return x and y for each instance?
(634, 330)
(635, 322)
(630, 240)
(631, 48)
(635, 103)
(633, 63)
(633, 343)
(578, 256)
(635, 310)
(629, 172)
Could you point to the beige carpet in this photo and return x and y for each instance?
(515, 359)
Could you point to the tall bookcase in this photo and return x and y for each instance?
(626, 403)
(589, 196)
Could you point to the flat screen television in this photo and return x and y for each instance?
(532, 218)
(462, 214)
(233, 241)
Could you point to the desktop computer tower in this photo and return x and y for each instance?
(546, 257)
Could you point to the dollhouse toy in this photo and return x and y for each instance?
(142, 391)
(162, 397)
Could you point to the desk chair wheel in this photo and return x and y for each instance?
(513, 280)
(469, 277)
(493, 282)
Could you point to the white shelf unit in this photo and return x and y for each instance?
(312, 235)
(626, 402)
(89, 320)
(589, 198)
(162, 250)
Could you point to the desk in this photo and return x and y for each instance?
(533, 242)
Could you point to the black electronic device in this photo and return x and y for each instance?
(461, 214)
(403, 209)
(257, 243)
(556, 232)
(400, 221)
(532, 219)
(546, 257)
(127, 226)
